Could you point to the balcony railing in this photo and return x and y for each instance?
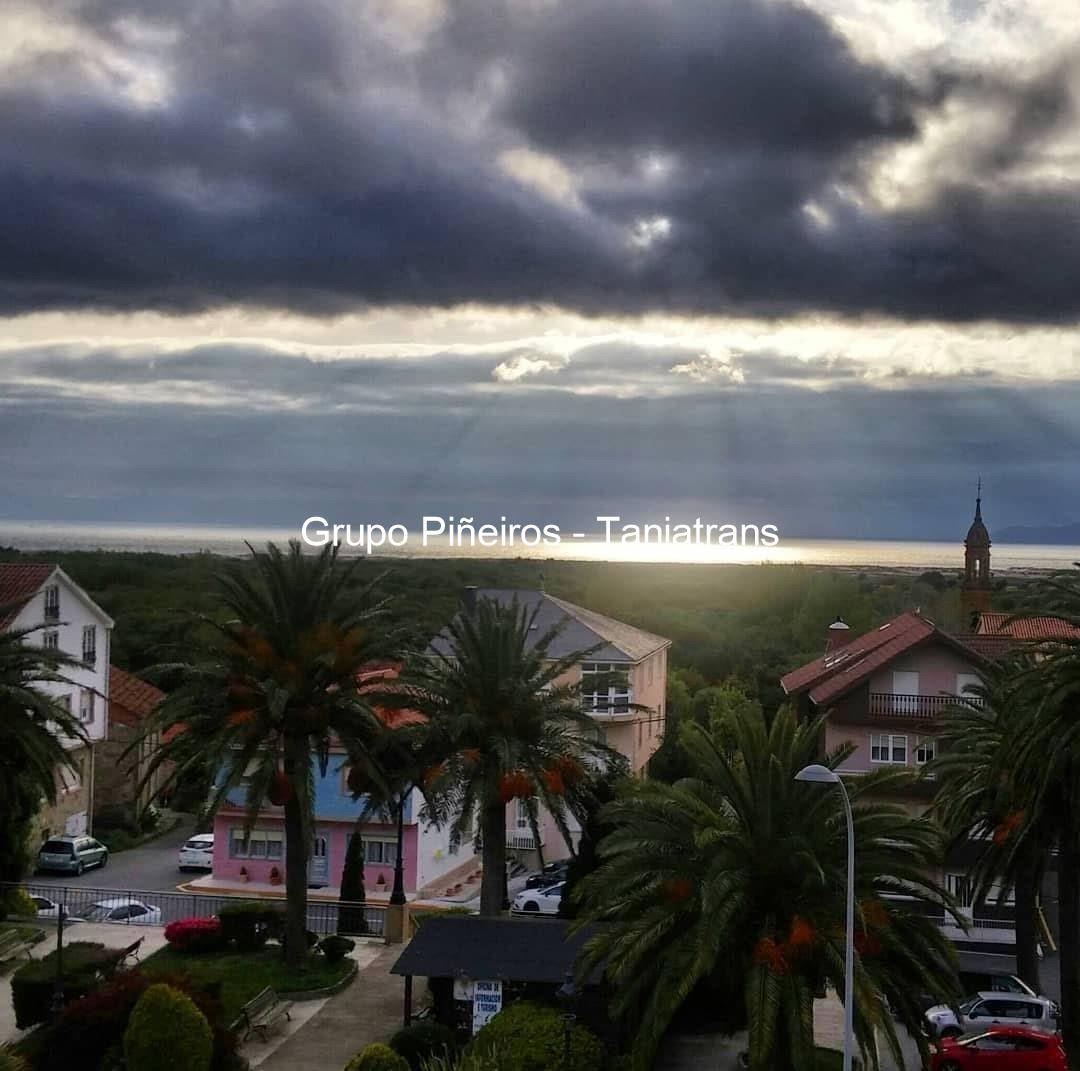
(890, 705)
(52, 612)
(520, 841)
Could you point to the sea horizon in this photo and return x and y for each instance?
(229, 541)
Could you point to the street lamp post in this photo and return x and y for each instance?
(397, 896)
(822, 775)
(567, 994)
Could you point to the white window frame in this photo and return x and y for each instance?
(52, 602)
(50, 639)
(262, 844)
(86, 705)
(924, 744)
(380, 851)
(89, 650)
(887, 744)
(616, 698)
(521, 816)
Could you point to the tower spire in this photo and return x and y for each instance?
(978, 501)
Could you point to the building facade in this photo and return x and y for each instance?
(623, 685)
(64, 617)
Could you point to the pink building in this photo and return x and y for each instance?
(623, 688)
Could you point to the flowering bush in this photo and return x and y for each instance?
(194, 935)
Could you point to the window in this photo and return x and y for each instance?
(382, 852)
(86, 705)
(52, 603)
(260, 844)
(888, 747)
(605, 688)
(522, 815)
(64, 702)
(925, 749)
(650, 671)
(50, 640)
(89, 644)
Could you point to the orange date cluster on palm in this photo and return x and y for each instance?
(515, 785)
(778, 955)
(280, 791)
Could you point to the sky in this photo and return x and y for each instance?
(812, 265)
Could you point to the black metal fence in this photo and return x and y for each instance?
(140, 907)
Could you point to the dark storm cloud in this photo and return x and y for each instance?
(295, 157)
(761, 452)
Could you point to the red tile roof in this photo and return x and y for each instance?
(131, 699)
(18, 582)
(1030, 629)
(829, 677)
(990, 646)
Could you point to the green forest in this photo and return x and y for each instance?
(750, 623)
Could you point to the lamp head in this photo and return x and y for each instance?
(818, 774)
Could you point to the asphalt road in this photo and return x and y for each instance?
(151, 867)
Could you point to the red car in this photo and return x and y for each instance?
(1000, 1048)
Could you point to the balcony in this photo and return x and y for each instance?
(888, 705)
(52, 611)
(520, 840)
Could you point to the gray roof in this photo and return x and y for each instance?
(583, 629)
(514, 950)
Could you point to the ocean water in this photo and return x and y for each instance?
(191, 539)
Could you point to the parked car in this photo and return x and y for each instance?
(539, 901)
(994, 982)
(124, 909)
(197, 853)
(994, 1009)
(1000, 1048)
(50, 909)
(72, 855)
(551, 873)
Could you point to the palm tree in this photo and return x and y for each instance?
(979, 798)
(1047, 763)
(505, 725)
(734, 879)
(33, 728)
(271, 691)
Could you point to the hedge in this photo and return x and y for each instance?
(34, 984)
(251, 925)
(531, 1037)
(377, 1057)
(421, 1040)
(166, 1032)
(195, 935)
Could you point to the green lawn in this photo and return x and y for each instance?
(243, 976)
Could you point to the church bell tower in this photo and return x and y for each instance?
(975, 590)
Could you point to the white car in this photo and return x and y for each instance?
(50, 909)
(197, 853)
(994, 1009)
(125, 910)
(539, 901)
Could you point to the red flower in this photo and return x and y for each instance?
(194, 935)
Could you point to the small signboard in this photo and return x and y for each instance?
(487, 1003)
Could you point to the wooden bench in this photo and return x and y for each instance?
(13, 943)
(263, 1012)
(131, 952)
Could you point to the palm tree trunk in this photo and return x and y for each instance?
(493, 884)
(1069, 916)
(1027, 933)
(297, 852)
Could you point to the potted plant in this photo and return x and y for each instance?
(275, 876)
(381, 881)
(243, 873)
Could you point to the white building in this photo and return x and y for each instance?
(65, 617)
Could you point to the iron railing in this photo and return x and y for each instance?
(82, 903)
(887, 704)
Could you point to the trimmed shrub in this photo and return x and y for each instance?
(421, 1040)
(18, 902)
(377, 1057)
(195, 935)
(335, 947)
(251, 925)
(531, 1037)
(34, 983)
(167, 1031)
(463, 1060)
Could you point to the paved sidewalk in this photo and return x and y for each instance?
(369, 1010)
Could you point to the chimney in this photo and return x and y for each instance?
(837, 635)
(468, 600)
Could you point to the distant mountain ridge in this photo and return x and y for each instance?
(1054, 534)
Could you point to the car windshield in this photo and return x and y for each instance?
(100, 911)
(965, 1008)
(58, 847)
